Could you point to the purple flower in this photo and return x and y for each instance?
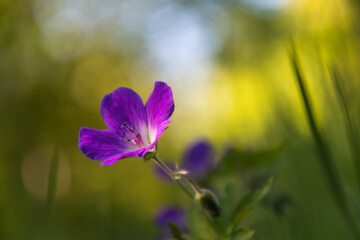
(173, 214)
(134, 129)
(198, 160)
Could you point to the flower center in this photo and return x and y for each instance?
(130, 134)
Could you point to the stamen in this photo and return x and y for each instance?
(131, 135)
(124, 124)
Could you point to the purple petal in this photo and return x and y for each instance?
(103, 144)
(114, 159)
(199, 158)
(174, 214)
(124, 106)
(159, 106)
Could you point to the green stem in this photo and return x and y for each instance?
(192, 183)
(173, 176)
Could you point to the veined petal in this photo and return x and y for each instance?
(199, 158)
(159, 106)
(102, 144)
(114, 159)
(124, 106)
(155, 135)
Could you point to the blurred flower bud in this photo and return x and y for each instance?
(209, 202)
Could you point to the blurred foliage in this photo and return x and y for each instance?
(226, 225)
(249, 158)
(248, 203)
(227, 63)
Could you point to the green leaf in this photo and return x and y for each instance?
(248, 202)
(250, 158)
(241, 234)
(197, 223)
(175, 231)
(227, 205)
(227, 202)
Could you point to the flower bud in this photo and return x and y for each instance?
(209, 202)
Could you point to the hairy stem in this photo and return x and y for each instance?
(172, 175)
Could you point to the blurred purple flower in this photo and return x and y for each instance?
(175, 215)
(198, 160)
(134, 129)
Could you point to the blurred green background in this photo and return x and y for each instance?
(229, 68)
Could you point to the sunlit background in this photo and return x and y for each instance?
(228, 65)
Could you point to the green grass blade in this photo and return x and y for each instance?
(355, 205)
(325, 158)
(52, 182)
(352, 133)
